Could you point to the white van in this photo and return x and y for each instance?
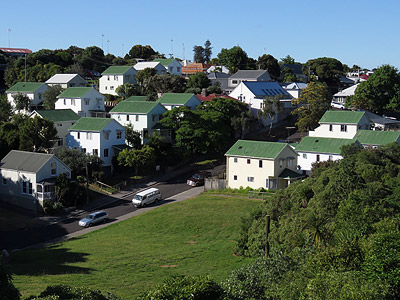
(146, 197)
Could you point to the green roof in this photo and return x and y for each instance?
(25, 87)
(164, 61)
(116, 70)
(259, 149)
(137, 107)
(176, 98)
(75, 92)
(136, 98)
(289, 174)
(58, 115)
(322, 145)
(372, 137)
(91, 124)
(343, 117)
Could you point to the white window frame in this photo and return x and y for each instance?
(250, 179)
(53, 169)
(89, 135)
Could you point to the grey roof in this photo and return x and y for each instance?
(248, 74)
(217, 75)
(380, 119)
(24, 161)
(266, 88)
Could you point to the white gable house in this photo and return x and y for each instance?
(33, 90)
(114, 77)
(172, 66)
(152, 65)
(67, 80)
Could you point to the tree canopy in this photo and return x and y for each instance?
(140, 51)
(270, 63)
(234, 59)
(202, 54)
(327, 69)
(50, 96)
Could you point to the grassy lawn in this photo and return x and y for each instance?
(193, 237)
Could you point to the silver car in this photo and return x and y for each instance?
(94, 218)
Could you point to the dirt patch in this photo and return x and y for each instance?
(168, 266)
(191, 242)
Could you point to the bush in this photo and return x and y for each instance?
(52, 207)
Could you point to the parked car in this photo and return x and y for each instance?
(198, 178)
(94, 218)
(146, 197)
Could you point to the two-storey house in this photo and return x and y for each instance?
(152, 65)
(114, 77)
(33, 90)
(172, 100)
(172, 65)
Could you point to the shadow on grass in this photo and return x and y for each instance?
(50, 260)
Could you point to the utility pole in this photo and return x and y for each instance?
(102, 41)
(183, 51)
(9, 44)
(108, 46)
(172, 49)
(267, 224)
(25, 67)
(122, 53)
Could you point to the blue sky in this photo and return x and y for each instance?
(353, 31)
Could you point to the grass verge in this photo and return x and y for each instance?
(193, 237)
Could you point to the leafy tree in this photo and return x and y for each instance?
(50, 96)
(288, 60)
(91, 58)
(207, 51)
(198, 80)
(139, 51)
(37, 135)
(271, 108)
(132, 137)
(327, 69)
(270, 63)
(143, 78)
(380, 92)
(22, 102)
(77, 161)
(214, 89)
(75, 68)
(202, 54)
(234, 59)
(137, 158)
(184, 288)
(127, 90)
(66, 292)
(312, 104)
(7, 288)
(5, 109)
(165, 83)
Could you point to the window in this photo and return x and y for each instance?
(59, 124)
(281, 163)
(153, 117)
(79, 135)
(119, 118)
(234, 82)
(127, 117)
(234, 177)
(318, 157)
(72, 101)
(106, 88)
(86, 101)
(137, 118)
(115, 77)
(27, 187)
(106, 152)
(248, 161)
(235, 160)
(178, 69)
(4, 181)
(112, 88)
(330, 157)
(65, 101)
(304, 155)
(343, 128)
(119, 134)
(108, 77)
(40, 96)
(290, 162)
(60, 142)
(271, 183)
(83, 150)
(260, 163)
(88, 135)
(53, 166)
(250, 179)
(106, 135)
(96, 152)
(330, 127)
(170, 69)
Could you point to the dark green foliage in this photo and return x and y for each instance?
(235, 59)
(340, 226)
(37, 135)
(132, 137)
(76, 160)
(5, 109)
(65, 292)
(50, 96)
(327, 69)
(185, 288)
(22, 102)
(139, 51)
(198, 80)
(202, 54)
(7, 288)
(270, 63)
(143, 158)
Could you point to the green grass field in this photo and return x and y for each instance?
(193, 237)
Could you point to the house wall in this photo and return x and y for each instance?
(306, 159)
(35, 97)
(109, 83)
(77, 81)
(96, 102)
(324, 131)
(174, 68)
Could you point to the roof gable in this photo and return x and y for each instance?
(244, 148)
(64, 78)
(248, 74)
(57, 115)
(342, 116)
(372, 137)
(116, 70)
(322, 145)
(91, 124)
(25, 87)
(75, 92)
(138, 107)
(176, 98)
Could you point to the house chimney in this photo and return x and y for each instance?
(204, 92)
(159, 95)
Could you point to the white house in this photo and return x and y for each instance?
(258, 164)
(98, 136)
(67, 80)
(114, 77)
(313, 149)
(339, 99)
(295, 88)
(152, 65)
(247, 75)
(33, 90)
(341, 124)
(172, 100)
(28, 178)
(142, 115)
(85, 101)
(219, 78)
(172, 65)
(62, 119)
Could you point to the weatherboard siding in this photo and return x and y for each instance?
(306, 159)
(96, 102)
(108, 81)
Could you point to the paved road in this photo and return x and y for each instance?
(13, 240)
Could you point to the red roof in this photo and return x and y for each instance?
(364, 76)
(16, 50)
(213, 96)
(195, 68)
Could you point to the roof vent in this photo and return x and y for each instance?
(240, 147)
(316, 141)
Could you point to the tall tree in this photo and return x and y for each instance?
(143, 78)
(22, 102)
(127, 90)
(137, 158)
(198, 80)
(270, 63)
(5, 109)
(271, 109)
(288, 60)
(37, 135)
(327, 69)
(132, 137)
(314, 100)
(50, 96)
(381, 92)
(207, 51)
(234, 59)
(140, 51)
(202, 54)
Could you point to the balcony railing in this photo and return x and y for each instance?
(45, 196)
